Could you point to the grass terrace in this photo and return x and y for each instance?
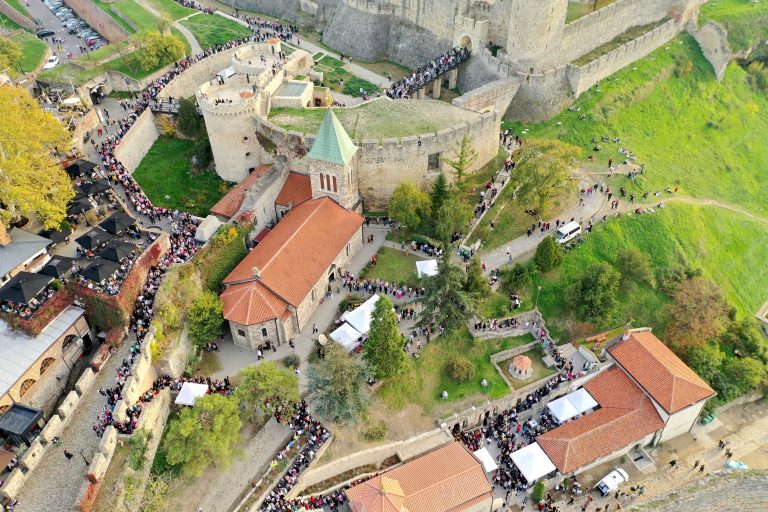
(378, 119)
(167, 178)
(578, 9)
(32, 50)
(211, 30)
(745, 20)
(393, 266)
(8, 24)
(623, 38)
(175, 10)
(334, 73)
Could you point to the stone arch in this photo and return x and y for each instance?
(69, 341)
(25, 386)
(466, 41)
(47, 362)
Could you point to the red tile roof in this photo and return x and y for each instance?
(252, 303)
(299, 250)
(626, 416)
(297, 190)
(660, 372)
(446, 479)
(228, 205)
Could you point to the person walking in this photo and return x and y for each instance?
(696, 464)
(701, 469)
(672, 463)
(68, 455)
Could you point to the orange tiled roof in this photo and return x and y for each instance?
(299, 249)
(297, 190)
(228, 205)
(522, 362)
(660, 372)
(626, 415)
(447, 479)
(252, 303)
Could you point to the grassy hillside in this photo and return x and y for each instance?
(691, 131)
(746, 20)
(728, 247)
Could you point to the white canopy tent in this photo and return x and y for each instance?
(191, 391)
(486, 459)
(207, 228)
(360, 317)
(581, 400)
(426, 268)
(532, 462)
(226, 73)
(562, 409)
(346, 336)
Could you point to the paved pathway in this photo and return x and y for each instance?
(195, 46)
(54, 485)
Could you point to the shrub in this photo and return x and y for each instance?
(517, 278)
(138, 441)
(549, 255)
(538, 492)
(292, 361)
(375, 430)
(461, 369)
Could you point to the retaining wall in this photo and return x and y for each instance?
(187, 82)
(137, 142)
(582, 78)
(16, 16)
(713, 41)
(100, 21)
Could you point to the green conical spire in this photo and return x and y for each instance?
(332, 143)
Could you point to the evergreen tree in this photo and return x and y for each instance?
(190, 122)
(439, 193)
(334, 386)
(465, 157)
(476, 284)
(445, 301)
(549, 255)
(384, 347)
(592, 295)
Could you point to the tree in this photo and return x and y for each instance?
(409, 205)
(453, 216)
(745, 337)
(334, 386)
(593, 294)
(384, 348)
(266, 385)
(745, 373)
(190, 122)
(706, 360)
(476, 283)
(205, 433)
(543, 172)
(205, 317)
(517, 277)
(549, 255)
(439, 192)
(465, 157)
(635, 267)
(445, 302)
(155, 49)
(697, 314)
(31, 179)
(10, 53)
(460, 369)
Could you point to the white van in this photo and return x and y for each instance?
(612, 481)
(567, 232)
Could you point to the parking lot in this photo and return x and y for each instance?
(64, 44)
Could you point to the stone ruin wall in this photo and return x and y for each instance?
(713, 41)
(137, 142)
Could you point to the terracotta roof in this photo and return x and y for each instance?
(228, 205)
(299, 249)
(660, 372)
(297, 190)
(626, 416)
(446, 479)
(522, 362)
(252, 303)
(379, 494)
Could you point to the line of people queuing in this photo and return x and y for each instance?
(425, 74)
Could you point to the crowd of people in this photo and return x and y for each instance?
(425, 74)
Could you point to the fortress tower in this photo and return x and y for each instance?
(535, 34)
(333, 164)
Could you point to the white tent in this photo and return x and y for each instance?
(191, 391)
(562, 409)
(532, 462)
(346, 336)
(360, 317)
(486, 459)
(207, 228)
(226, 73)
(426, 268)
(581, 400)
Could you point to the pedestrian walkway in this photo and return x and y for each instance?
(194, 45)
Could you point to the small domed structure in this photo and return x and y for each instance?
(521, 367)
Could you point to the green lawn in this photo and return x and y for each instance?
(33, 50)
(746, 20)
(341, 80)
(623, 38)
(728, 247)
(175, 10)
(540, 371)
(496, 305)
(107, 8)
(7, 23)
(211, 30)
(393, 266)
(165, 176)
(16, 4)
(692, 132)
(425, 378)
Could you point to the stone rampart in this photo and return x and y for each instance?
(491, 97)
(137, 142)
(582, 78)
(186, 83)
(85, 381)
(713, 41)
(16, 16)
(100, 21)
(540, 95)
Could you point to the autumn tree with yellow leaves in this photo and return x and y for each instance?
(31, 179)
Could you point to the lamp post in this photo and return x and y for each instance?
(537, 297)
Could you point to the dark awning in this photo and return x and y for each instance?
(94, 239)
(118, 223)
(19, 419)
(79, 206)
(100, 270)
(57, 266)
(95, 187)
(116, 250)
(24, 286)
(80, 167)
(56, 235)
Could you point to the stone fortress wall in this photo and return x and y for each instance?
(713, 41)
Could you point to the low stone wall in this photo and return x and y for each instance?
(506, 354)
(137, 142)
(713, 41)
(494, 96)
(100, 21)
(187, 82)
(16, 16)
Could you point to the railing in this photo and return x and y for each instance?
(429, 72)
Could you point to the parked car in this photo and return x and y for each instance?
(612, 481)
(52, 62)
(44, 33)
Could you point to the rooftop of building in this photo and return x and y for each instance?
(382, 118)
(23, 246)
(296, 190)
(332, 143)
(230, 204)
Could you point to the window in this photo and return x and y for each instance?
(322, 182)
(433, 161)
(263, 332)
(25, 386)
(248, 154)
(47, 362)
(334, 184)
(314, 295)
(69, 341)
(251, 169)
(348, 247)
(241, 333)
(245, 138)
